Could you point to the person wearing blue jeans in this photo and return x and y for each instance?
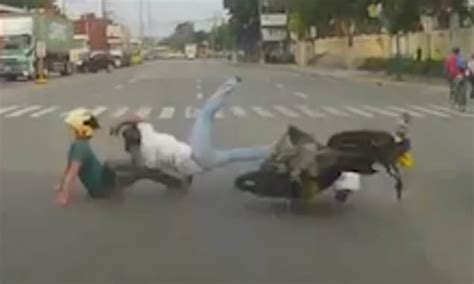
(164, 152)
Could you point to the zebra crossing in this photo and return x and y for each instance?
(10, 112)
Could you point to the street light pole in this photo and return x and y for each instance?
(140, 18)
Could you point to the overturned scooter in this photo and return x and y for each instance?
(299, 168)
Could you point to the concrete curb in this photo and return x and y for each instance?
(358, 76)
(365, 76)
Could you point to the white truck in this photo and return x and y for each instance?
(22, 34)
(191, 51)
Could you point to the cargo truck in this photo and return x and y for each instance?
(191, 51)
(21, 34)
(118, 39)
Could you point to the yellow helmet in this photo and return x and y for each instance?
(83, 122)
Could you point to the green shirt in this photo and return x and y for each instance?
(94, 176)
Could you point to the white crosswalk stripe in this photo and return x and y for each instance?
(309, 112)
(335, 112)
(99, 110)
(220, 114)
(407, 110)
(44, 112)
(429, 111)
(120, 112)
(359, 112)
(300, 95)
(381, 111)
(448, 110)
(21, 112)
(287, 112)
(167, 113)
(238, 111)
(262, 112)
(144, 112)
(64, 114)
(7, 109)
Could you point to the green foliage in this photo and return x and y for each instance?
(31, 4)
(431, 68)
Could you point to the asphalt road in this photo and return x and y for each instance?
(214, 233)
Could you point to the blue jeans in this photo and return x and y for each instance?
(201, 136)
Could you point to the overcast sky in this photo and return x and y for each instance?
(165, 14)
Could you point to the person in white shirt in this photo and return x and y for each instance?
(164, 152)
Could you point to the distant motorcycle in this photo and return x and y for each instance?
(464, 90)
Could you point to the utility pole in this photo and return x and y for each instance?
(140, 18)
(103, 8)
(150, 27)
(63, 8)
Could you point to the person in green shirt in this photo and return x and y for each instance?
(101, 180)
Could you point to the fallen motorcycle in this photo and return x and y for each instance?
(300, 168)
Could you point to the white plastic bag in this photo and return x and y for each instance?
(348, 181)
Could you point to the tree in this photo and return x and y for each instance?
(224, 38)
(183, 34)
(201, 36)
(30, 4)
(245, 23)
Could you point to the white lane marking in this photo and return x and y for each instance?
(335, 111)
(191, 112)
(119, 87)
(381, 111)
(309, 112)
(262, 112)
(44, 112)
(21, 112)
(280, 86)
(200, 96)
(448, 110)
(99, 110)
(220, 114)
(133, 80)
(300, 95)
(429, 111)
(64, 114)
(7, 109)
(287, 112)
(167, 113)
(120, 112)
(406, 110)
(238, 111)
(359, 112)
(144, 112)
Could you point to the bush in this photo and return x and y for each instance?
(431, 68)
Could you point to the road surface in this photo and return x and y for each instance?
(215, 233)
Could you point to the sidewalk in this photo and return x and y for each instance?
(379, 78)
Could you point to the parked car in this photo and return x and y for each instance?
(99, 60)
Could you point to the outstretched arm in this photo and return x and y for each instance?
(63, 194)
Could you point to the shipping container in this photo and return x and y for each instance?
(96, 30)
